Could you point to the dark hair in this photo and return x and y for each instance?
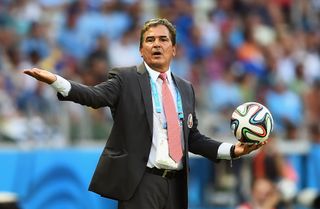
(155, 22)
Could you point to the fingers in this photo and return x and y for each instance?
(34, 72)
(246, 148)
(257, 146)
(41, 75)
(29, 70)
(261, 144)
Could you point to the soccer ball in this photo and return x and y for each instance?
(251, 122)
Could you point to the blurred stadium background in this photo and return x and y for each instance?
(233, 51)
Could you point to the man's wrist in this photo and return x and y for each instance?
(232, 152)
(61, 85)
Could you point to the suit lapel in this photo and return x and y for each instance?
(145, 87)
(184, 98)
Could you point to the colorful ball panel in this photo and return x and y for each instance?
(251, 122)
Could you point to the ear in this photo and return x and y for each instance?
(141, 55)
(174, 51)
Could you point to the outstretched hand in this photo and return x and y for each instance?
(244, 149)
(41, 75)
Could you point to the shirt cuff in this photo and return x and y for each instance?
(62, 86)
(224, 151)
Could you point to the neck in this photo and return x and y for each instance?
(160, 69)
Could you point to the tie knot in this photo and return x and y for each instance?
(163, 76)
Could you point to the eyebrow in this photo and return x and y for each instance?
(164, 36)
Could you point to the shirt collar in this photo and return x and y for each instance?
(155, 74)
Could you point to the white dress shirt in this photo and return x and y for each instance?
(159, 119)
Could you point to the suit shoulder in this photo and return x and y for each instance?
(186, 81)
(123, 71)
(183, 81)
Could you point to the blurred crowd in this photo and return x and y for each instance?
(233, 51)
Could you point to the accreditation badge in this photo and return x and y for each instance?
(163, 158)
(190, 121)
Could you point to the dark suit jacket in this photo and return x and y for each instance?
(123, 160)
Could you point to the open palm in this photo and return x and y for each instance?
(41, 75)
(245, 148)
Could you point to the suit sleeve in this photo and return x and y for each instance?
(199, 143)
(104, 94)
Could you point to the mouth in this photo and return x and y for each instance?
(157, 53)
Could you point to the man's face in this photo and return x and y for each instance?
(157, 49)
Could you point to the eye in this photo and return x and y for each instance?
(164, 39)
(149, 39)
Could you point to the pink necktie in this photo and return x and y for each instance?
(174, 138)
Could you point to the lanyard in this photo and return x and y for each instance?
(155, 97)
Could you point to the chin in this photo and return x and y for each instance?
(159, 68)
(156, 65)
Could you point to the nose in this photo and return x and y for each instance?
(156, 42)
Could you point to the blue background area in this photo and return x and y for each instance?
(52, 179)
(59, 178)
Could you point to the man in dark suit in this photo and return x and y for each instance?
(144, 164)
